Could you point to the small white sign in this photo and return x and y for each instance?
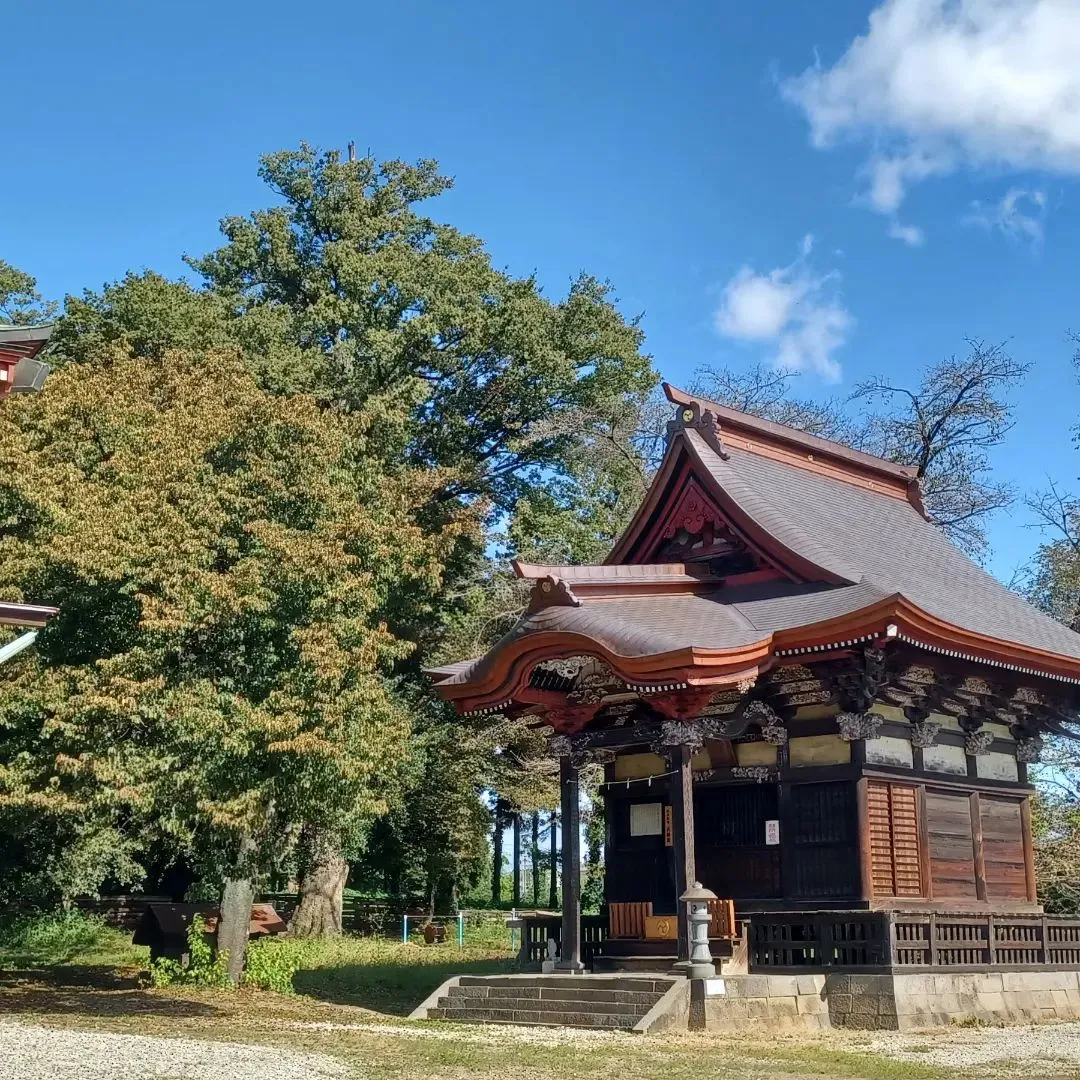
(646, 819)
(772, 833)
(714, 987)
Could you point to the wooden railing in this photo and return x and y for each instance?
(120, 911)
(537, 929)
(901, 941)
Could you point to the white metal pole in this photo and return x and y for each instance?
(13, 648)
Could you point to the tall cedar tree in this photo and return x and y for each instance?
(220, 669)
(346, 289)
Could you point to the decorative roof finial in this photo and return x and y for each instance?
(705, 422)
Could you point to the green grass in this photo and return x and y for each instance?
(70, 937)
(387, 976)
(374, 973)
(46, 981)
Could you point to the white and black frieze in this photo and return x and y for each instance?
(757, 773)
(1029, 749)
(768, 721)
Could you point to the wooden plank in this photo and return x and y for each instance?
(1029, 852)
(977, 845)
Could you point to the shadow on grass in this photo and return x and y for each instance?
(395, 989)
(88, 991)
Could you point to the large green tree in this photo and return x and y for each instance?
(347, 289)
(20, 302)
(221, 670)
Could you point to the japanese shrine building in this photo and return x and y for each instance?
(803, 696)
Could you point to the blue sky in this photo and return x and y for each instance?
(784, 180)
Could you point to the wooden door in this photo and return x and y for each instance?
(952, 851)
(1003, 848)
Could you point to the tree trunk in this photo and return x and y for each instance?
(234, 923)
(322, 887)
(497, 856)
(534, 858)
(517, 860)
(553, 881)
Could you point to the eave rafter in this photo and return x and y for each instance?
(506, 679)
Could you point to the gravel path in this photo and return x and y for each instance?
(29, 1052)
(983, 1046)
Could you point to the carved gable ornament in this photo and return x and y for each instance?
(691, 511)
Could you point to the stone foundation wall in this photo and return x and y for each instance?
(1010, 996)
(780, 1002)
(883, 1002)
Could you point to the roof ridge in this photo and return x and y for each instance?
(793, 436)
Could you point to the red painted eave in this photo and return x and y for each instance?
(34, 616)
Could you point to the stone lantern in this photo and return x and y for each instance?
(701, 964)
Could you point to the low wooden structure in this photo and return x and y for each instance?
(164, 927)
(801, 695)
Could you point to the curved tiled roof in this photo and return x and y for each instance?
(882, 541)
(860, 551)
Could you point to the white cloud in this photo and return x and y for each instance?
(791, 308)
(1020, 215)
(911, 235)
(938, 85)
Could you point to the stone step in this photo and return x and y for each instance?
(532, 1018)
(546, 1006)
(520, 991)
(657, 983)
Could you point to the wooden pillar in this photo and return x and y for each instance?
(866, 865)
(1029, 851)
(926, 871)
(517, 859)
(553, 860)
(570, 951)
(682, 821)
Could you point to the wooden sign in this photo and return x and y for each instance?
(668, 836)
(661, 927)
(772, 832)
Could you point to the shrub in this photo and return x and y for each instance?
(272, 963)
(203, 969)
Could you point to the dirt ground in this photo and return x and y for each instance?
(67, 1030)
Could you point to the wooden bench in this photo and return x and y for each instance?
(628, 920)
(722, 919)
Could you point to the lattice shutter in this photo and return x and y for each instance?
(895, 861)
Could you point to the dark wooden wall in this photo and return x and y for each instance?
(821, 828)
(729, 827)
